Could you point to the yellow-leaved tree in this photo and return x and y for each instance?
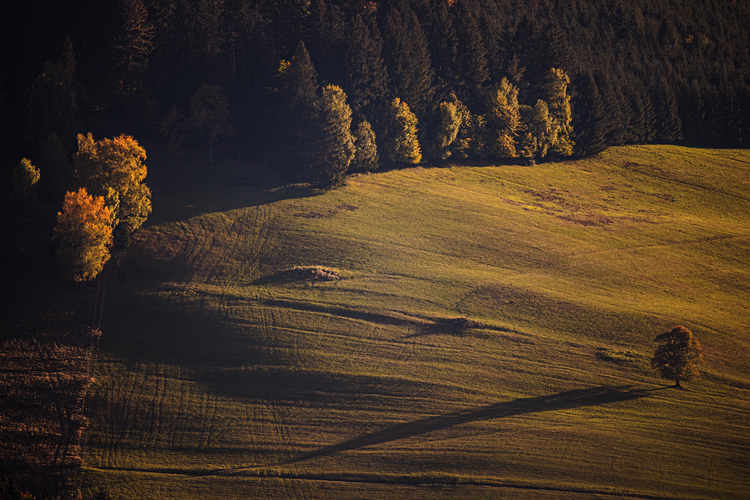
(83, 235)
(402, 145)
(115, 170)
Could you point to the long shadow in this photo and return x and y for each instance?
(576, 398)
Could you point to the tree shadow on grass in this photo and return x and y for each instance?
(565, 400)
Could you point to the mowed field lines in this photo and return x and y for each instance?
(489, 336)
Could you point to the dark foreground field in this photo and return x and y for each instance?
(489, 335)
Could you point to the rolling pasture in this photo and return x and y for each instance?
(489, 336)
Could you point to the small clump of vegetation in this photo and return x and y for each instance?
(314, 273)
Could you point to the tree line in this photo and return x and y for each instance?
(322, 88)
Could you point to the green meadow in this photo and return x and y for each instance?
(489, 337)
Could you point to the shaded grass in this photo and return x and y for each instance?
(223, 373)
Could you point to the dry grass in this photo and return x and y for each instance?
(222, 374)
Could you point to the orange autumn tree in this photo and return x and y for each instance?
(83, 234)
(115, 170)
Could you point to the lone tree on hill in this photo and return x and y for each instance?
(679, 357)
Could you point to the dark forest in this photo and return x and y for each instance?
(249, 78)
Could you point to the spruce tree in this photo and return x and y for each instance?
(401, 143)
(297, 117)
(558, 102)
(329, 33)
(334, 144)
(133, 43)
(471, 58)
(589, 120)
(503, 120)
(668, 123)
(408, 58)
(443, 44)
(366, 75)
(366, 154)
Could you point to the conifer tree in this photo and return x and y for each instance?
(53, 103)
(329, 38)
(366, 75)
(668, 123)
(471, 60)
(366, 154)
(401, 144)
(334, 144)
(408, 57)
(589, 118)
(133, 43)
(558, 102)
(613, 101)
(443, 44)
(298, 113)
(83, 235)
(503, 120)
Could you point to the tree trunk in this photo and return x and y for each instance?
(677, 383)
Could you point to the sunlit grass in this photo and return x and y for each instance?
(221, 371)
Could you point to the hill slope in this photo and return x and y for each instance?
(223, 374)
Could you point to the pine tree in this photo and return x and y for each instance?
(471, 60)
(589, 118)
(83, 235)
(133, 43)
(334, 142)
(401, 144)
(366, 75)
(53, 103)
(503, 120)
(668, 123)
(614, 103)
(679, 357)
(443, 44)
(366, 154)
(297, 118)
(408, 58)
(558, 101)
(329, 37)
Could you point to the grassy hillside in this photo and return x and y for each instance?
(223, 375)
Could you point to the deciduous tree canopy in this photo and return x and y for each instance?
(83, 235)
(679, 356)
(115, 170)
